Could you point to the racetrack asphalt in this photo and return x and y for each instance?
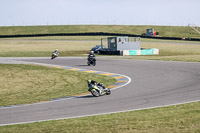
(154, 84)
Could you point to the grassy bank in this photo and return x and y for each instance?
(179, 118)
(167, 31)
(21, 84)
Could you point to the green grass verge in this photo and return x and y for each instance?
(167, 31)
(180, 118)
(21, 84)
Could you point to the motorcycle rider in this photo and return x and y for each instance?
(92, 82)
(91, 55)
(91, 59)
(56, 52)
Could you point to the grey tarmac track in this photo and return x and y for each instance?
(154, 84)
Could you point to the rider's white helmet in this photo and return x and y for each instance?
(91, 52)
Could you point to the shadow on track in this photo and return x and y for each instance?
(82, 65)
(87, 96)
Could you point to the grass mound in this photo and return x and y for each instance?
(167, 31)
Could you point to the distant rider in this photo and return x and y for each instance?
(91, 55)
(56, 52)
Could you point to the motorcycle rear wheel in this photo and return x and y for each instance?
(108, 92)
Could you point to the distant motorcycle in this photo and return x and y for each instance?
(91, 60)
(98, 90)
(54, 54)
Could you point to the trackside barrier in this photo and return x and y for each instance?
(153, 51)
(99, 34)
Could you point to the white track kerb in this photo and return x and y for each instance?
(122, 80)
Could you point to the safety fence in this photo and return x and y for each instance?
(99, 34)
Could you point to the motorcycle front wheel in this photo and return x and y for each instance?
(94, 63)
(95, 93)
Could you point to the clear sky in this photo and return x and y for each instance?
(106, 12)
